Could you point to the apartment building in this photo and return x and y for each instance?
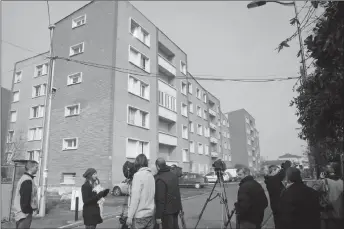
(225, 140)
(26, 115)
(245, 139)
(6, 96)
(138, 98)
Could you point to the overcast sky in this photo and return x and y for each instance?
(222, 39)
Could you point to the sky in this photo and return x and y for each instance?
(221, 38)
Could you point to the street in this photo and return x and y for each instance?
(212, 216)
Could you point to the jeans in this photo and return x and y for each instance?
(143, 223)
(90, 226)
(24, 223)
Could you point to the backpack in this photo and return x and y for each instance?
(325, 198)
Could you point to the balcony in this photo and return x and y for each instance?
(166, 67)
(212, 126)
(214, 154)
(167, 139)
(213, 140)
(167, 114)
(212, 112)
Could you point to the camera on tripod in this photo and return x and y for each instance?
(219, 166)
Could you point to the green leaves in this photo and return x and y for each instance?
(294, 20)
(282, 45)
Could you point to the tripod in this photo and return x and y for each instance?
(222, 196)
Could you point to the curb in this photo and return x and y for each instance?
(117, 212)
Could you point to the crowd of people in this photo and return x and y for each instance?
(155, 200)
(294, 204)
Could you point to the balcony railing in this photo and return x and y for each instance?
(212, 112)
(167, 114)
(212, 126)
(214, 154)
(167, 139)
(213, 140)
(166, 65)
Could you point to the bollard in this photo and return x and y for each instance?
(76, 208)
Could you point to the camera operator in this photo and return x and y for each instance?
(274, 184)
(251, 201)
(167, 196)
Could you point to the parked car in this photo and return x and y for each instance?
(121, 188)
(192, 180)
(212, 177)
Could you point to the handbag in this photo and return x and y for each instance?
(325, 199)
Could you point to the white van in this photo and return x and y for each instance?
(233, 173)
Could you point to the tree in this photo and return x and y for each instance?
(320, 100)
(16, 147)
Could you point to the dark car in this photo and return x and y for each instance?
(192, 180)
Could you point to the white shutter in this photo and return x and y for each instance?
(30, 135)
(146, 149)
(41, 111)
(185, 155)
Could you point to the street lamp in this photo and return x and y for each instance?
(258, 3)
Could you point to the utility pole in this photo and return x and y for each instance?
(45, 148)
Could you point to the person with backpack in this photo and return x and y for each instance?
(330, 188)
(167, 196)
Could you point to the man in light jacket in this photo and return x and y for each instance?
(25, 199)
(142, 207)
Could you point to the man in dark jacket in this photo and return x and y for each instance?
(275, 187)
(167, 196)
(251, 202)
(299, 206)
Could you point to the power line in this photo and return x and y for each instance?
(136, 73)
(18, 46)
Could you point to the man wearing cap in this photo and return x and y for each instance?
(25, 199)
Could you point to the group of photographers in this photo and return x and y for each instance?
(294, 204)
(154, 200)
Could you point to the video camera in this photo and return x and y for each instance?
(219, 165)
(129, 170)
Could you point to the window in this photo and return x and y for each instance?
(138, 117)
(204, 97)
(13, 116)
(138, 87)
(182, 67)
(74, 78)
(198, 93)
(225, 145)
(219, 148)
(37, 111)
(68, 178)
(39, 90)
(15, 96)
(248, 141)
(190, 88)
(192, 147)
(70, 143)
(136, 147)
(250, 163)
(33, 155)
(191, 126)
(247, 120)
(10, 136)
(72, 110)
(35, 134)
(18, 77)
(204, 114)
(77, 49)
(41, 70)
(185, 155)
(206, 149)
(206, 132)
(191, 107)
(79, 21)
(229, 146)
(199, 111)
(167, 101)
(199, 129)
(184, 110)
(200, 148)
(183, 89)
(139, 59)
(184, 132)
(140, 33)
